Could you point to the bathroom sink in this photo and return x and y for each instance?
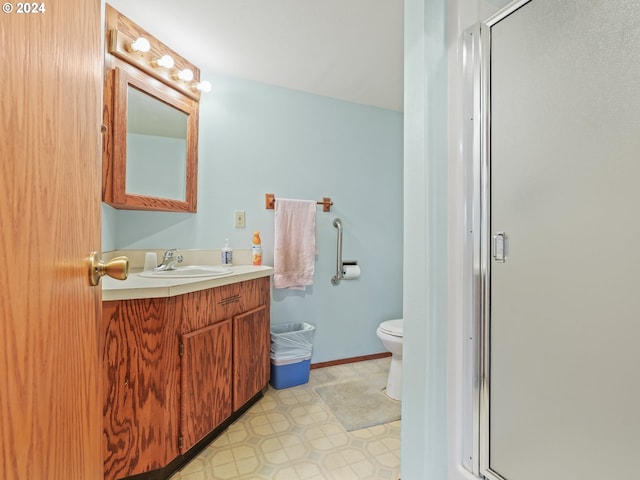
(190, 271)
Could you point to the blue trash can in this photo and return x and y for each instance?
(291, 348)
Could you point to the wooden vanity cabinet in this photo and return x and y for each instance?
(176, 368)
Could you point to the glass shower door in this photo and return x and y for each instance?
(561, 386)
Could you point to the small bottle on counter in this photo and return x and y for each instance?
(226, 256)
(256, 249)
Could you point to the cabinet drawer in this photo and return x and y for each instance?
(206, 307)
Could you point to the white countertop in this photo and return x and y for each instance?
(152, 287)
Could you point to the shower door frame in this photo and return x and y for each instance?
(482, 241)
(472, 217)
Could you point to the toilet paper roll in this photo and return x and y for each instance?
(350, 272)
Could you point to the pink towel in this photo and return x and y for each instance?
(294, 246)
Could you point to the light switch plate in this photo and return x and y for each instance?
(239, 218)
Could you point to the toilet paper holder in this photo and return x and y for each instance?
(341, 265)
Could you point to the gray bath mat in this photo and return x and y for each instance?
(360, 403)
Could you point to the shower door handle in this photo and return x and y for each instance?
(499, 247)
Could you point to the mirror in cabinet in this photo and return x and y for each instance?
(150, 122)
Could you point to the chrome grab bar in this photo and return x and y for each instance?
(336, 278)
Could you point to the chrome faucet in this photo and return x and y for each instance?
(169, 260)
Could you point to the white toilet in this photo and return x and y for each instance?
(390, 334)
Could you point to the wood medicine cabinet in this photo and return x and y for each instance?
(150, 144)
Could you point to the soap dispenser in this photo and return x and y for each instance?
(226, 255)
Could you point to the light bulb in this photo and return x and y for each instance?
(165, 61)
(185, 75)
(203, 86)
(141, 45)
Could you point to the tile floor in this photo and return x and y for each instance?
(290, 434)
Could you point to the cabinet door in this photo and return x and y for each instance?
(141, 380)
(206, 381)
(251, 345)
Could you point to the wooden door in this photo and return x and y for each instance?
(50, 413)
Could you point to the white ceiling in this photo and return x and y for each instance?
(346, 49)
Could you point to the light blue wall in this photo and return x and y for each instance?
(257, 139)
(432, 432)
(424, 406)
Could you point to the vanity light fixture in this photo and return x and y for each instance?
(129, 43)
(202, 86)
(140, 45)
(185, 75)
(165, 61)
